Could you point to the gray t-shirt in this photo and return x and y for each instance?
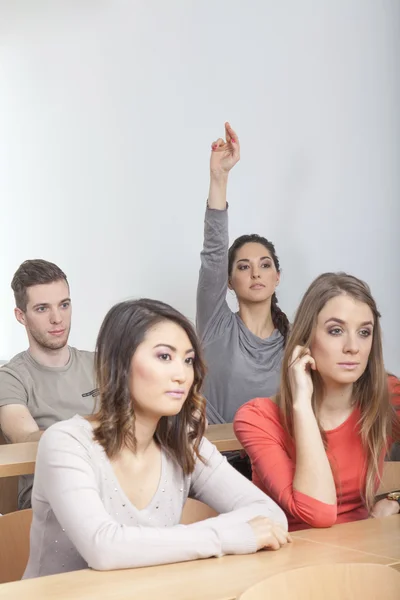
(51, 394)
(82, 517)
(241, 366)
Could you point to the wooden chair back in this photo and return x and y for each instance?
(14, 544)
(390, 477)
(8, 490)
(194, 511)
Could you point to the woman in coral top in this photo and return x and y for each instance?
(317, 448)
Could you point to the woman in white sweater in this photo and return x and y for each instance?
(109, 489)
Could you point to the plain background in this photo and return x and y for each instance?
(107, 113)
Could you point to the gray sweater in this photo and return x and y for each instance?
(241, 366)
(81, 516)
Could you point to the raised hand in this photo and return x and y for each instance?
(300, 368)
(224, 154)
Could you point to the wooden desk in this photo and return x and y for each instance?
(373, 536)
(223, 437)
(17, 459)
(216, 578)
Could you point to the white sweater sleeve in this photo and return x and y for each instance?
(66, 476)
(229, 493)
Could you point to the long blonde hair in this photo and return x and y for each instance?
(370, 391)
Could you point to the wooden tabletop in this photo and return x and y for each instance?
(374, 536)
(17, 459)
(221, 578)
(223, 437)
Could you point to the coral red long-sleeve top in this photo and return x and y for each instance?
(258, 427)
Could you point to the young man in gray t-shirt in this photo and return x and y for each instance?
(50, 381)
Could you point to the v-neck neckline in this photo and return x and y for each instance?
(119, 488)
(115, 482)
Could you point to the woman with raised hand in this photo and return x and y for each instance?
(317, 447)
(109, 489)
(243, 350)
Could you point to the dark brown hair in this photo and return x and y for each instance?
(33, 272)
(371, 392)
(279, 319)
(123, 330)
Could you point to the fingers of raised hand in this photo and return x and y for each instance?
(230, 134)
(219, 145)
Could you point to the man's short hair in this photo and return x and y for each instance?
(34, 272)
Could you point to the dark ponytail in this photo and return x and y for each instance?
(279, 319)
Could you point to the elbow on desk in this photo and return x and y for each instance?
(322, 521)
(106, 551)
(100, 558)
(322, 518)
(97, 562)
(313, 512)
(110, 547)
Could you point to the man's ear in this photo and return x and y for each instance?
(20, 316)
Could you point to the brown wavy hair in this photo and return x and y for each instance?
(378, 422)
(123, 330)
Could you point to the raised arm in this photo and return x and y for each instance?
(65, 476)
(213, 278)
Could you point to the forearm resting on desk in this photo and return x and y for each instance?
(18, 425)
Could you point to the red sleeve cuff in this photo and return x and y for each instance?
(313, 512)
